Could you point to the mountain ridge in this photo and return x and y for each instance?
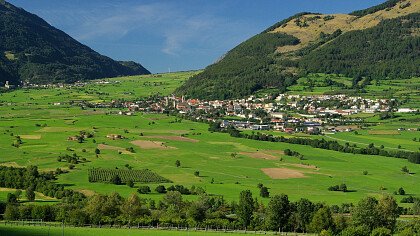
(33, 51)
(316, 33)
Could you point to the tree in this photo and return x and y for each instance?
(30, 194)
(381, 232)
(18, 194)
(304, 211)
(264, 192)
(278, 212)
(177, 163)
(405, 169)
(322, 220)
(401, 191)
(197, 173)
(245, 208)
(366, 213)
(97, 151)
(131, 208)
(144, 190)
(196, 212)
(389, 212)
(11, 198)
(116, 180)
(160, 189)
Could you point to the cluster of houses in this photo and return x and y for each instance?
(312, 114)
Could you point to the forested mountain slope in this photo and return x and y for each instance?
(378, 42)
(31, 50)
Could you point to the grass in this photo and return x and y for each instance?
(48, 126)
(73, 231)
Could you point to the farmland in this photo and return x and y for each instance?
(44, 120)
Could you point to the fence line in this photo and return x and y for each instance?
(149, 227)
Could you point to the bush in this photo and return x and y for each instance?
(160, 189)
(116, 180)
(401, 191)
(264, 192)
(130, 183)
(381, 232)
(144, 190)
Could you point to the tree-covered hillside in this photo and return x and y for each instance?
(244, 70)
(358, 45)
(34, 51)
(389, 50)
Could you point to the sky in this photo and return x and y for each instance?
(173, 35)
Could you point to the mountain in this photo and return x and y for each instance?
(380, 42)
(33, 51)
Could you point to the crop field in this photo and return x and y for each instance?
(141, 176)
(157, 141)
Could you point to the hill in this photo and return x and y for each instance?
(33, 51)
(359, 45)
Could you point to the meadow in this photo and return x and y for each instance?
(73, 231)
(226, 165)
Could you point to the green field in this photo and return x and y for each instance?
(404, 89)
(45, 128)
(72, 231)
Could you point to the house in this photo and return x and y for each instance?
(115, 136)
(260, 127)
(279, 115)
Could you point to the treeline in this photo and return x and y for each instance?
(280, 214)
(413, 157)
(386, 5)
(372, 53)
(251, 65)
(30, 178)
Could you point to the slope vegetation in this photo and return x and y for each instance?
(380, 42)
(33, 51)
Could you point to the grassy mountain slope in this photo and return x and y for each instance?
(376, 42)
(32, 50)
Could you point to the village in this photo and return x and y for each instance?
(287, 113)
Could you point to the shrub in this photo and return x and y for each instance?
(130, 183)
(381, 232)
(401, 191)
(264, 192)
(144, 190)
(160, 189)
(116, 180)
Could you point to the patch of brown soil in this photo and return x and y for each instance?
(109, 147)
(28, 136)
(147, 144)
(259, 155)
(283, 173)
(173, 138)
(383, 132)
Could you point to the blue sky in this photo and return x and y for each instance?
(173, 34)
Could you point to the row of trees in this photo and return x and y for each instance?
(413, 157)
(280, 214)
(30, 178)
